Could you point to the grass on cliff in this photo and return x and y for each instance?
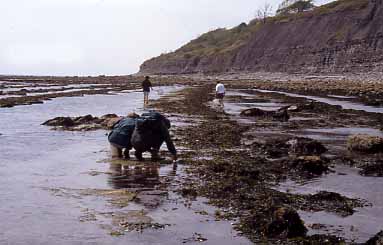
(332, 7)
(218, 41)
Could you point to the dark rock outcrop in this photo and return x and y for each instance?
(342, 205)
(305, 146)
(372, 170)
(343, 36)
(376, 240)
(83, 123)
(280, 115)
(311, 164)
(286, 223)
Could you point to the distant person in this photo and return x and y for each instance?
(146, 87)
(150, 132)
(120, 136)
(220, 92)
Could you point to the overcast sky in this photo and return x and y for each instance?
(112, 37)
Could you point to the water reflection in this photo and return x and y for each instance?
(145, 175)
(134, 176)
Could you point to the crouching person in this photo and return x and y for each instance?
(150, 132)
(120, 136)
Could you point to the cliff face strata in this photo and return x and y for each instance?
(342, 37)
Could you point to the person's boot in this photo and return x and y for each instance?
(126, 154)
(156, 156)
(138, 156)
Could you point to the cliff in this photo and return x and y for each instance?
(343, 36)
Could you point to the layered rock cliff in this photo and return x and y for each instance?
(343, 36)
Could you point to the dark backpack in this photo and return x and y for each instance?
(151, 121)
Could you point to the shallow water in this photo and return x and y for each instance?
(235, 108)
(35, 159)
(342, 97)
(64, 91)
(27, 86)
(344, 103)
(367, 221)
(336, 134)
(360, 226)
(9, 96)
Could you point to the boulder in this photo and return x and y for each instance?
(311, 164)
(253, 112)
(328, 196)
(280, 115)
(84, 119)
(60, 121)
(372, 170)
(365, 143)
(84, 123)
(286, 223)
(305, 146)
(108, 116)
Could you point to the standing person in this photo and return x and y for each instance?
(146, 87)
(151, 131)
(120, 136)
(220, 92)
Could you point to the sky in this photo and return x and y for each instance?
(107, 37)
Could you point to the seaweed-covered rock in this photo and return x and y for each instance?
(365, 143)
(280, 115)
(376, 240)
(335, 202)
(253, 112)
(286, 223)
(372, 170)
(311, 164)
(84, 119)
(305, 146)
(60, 121)
(188, 192)
(83, 123)
(327, 196)
(109, 116)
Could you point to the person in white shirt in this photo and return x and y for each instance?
(220, 92)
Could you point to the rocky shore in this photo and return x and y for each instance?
(238, 165)
(239, 177)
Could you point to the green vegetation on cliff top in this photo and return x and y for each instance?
(222, 41)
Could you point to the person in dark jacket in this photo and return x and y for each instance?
(150, 132)
(146, 87)
(120, 136)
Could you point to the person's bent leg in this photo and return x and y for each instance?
(155, 149)
(155, 155)
(115, 151)
(126, 153)
(138, 155)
